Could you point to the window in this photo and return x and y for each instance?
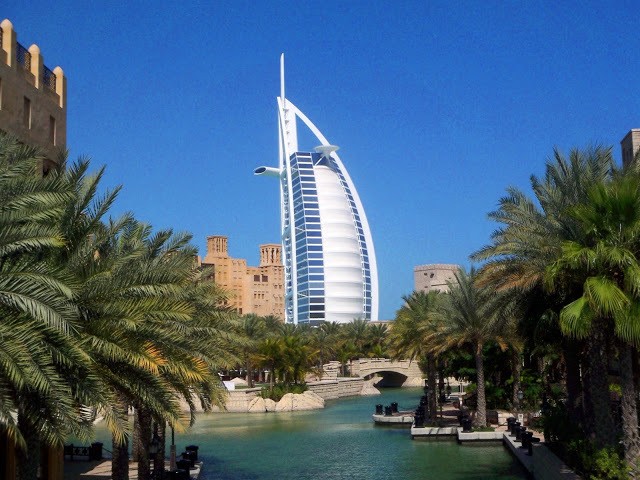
(265, 278)
(52, 130)
(26, 113)
(256, 278)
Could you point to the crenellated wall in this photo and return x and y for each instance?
(33, 98)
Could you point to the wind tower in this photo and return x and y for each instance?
(329, 258)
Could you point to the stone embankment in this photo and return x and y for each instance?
(290, 402)
(368, 388)
(248, 400)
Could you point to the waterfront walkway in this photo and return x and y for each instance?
(101, 470)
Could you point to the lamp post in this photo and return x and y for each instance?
(520, 396)
(154, 446)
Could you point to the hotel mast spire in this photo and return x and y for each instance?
(282, 78)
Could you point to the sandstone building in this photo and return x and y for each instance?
(434, 277)
(258, 290)
(33, 103)
(630, 145)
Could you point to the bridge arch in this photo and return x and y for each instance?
(388, 378)
(393, 372)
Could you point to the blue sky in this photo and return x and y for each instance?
(437, 107)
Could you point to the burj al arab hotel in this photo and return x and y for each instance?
(329, 259)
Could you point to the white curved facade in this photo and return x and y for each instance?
(330, 265)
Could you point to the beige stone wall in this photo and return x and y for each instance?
(238, 400)
(30, 108)
(258, 290)
(341, 387)
(434, 277)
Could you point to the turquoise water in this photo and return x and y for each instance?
(339, 442)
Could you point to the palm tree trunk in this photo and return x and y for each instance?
(144, 426)
(481, 408)
(571, 357)
(587, 403)
(135, 437)
(431, 384)
(598, 366)
(120, 451)
(249, 368)
(272, 377)
(120, 460)
(516, 368)
(160, 431)
(630, 438)
(29, 459)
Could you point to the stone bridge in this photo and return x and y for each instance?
(393, 373)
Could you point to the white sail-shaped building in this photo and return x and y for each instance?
(329, 259)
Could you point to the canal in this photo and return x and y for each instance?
(339, 442)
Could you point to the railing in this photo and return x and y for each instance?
(24, 57)
(92, 452)
(49, 79)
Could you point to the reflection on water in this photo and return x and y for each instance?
(339, 442)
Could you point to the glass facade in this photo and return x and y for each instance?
(307, 242)
(304, 243)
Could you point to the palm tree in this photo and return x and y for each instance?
(331, 328)
(346, 352)
(272, 324)
(95, 313)
(530, 238)
(533, 231)
(190, 352)
(377, 340)
(270, 357)
(39, 353)
(357, 332)
(325, 344)
(414, 325)
(606, 262)
(469, 317)
(132, 289)
(253, 329)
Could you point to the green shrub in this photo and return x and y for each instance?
(281, 389)
(567, 440)
(594, 463)
(483, 429)
(608, 465)
(558, 426)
